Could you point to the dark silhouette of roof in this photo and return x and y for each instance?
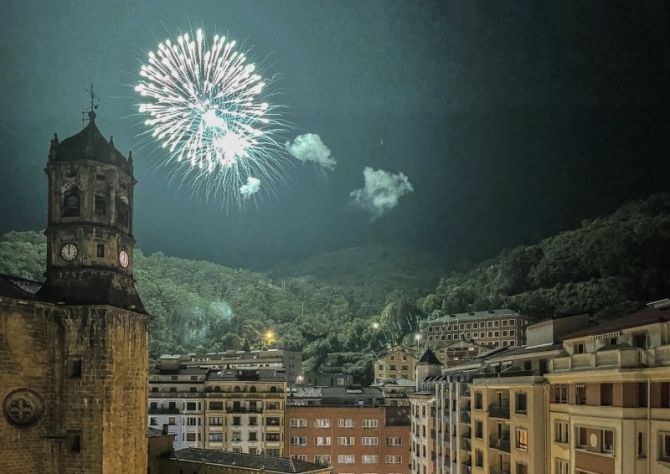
(249, 461)
(429, 357)
(16, 287)
(640, 318)
(89, 144)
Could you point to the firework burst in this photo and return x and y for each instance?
(204, 106)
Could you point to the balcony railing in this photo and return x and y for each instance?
(499, 411)
(244, 410)
(176, 395)
(163, 411)
(243, 395)
(662, 355)
(501, 444)
(627, 358)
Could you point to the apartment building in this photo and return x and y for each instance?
(487, 415)
(177, 401)
(609, 397)
(397, 362)
(278, 359)
(426, 416)
(494, 328)
(352, 430)
(245, 411)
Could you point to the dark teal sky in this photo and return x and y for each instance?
(512, 120)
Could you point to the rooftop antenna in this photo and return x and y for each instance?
(94, 105)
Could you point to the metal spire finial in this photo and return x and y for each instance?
(94, 105)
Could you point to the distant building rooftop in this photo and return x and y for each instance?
(429, 357)
(263, 375)
(650, 315)
(245, 461)
(493, 313)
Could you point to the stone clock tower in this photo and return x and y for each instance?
(74, 349)
(89, 233)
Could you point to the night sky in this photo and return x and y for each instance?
(511, 120)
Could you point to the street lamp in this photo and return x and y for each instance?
(269, 338)
(375, 325)
(417, 338)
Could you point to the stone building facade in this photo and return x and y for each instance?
(396, 362)
(73, 350)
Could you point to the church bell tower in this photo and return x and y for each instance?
(90, 231)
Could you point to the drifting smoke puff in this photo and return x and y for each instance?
(310, 147)
(251, 187)
(381, 191)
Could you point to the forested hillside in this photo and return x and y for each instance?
(326, 305)
(202, 306)
(610, 264)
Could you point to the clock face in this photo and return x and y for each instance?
(123, 258)
(69, 252)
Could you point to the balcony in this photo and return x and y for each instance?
(242, 395)
(619, 358)
(176, 395)
(164, 411)
(244, 410)
(500, 469)
(501, 444)
(499, 411)
(662, 355)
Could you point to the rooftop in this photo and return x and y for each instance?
(16, 287)
(248, 461)
(492, 313)
(644, 317)
(429, 357)
(89, 144)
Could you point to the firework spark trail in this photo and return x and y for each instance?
(204, 108)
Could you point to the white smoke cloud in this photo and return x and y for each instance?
(381, 191)
(251, 187)
(310, 147)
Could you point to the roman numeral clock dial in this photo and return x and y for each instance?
(123, 258)
(69, 252)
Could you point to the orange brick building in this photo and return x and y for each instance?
(354, 433)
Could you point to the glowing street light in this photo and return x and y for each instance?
(269, 338)
(417, 338)
(375, 325)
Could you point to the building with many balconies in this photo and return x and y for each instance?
(609, 397)
(177, 401)
(245, 411)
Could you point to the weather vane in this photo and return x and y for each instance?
(94, 105)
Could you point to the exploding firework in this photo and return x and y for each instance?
(205, 108)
